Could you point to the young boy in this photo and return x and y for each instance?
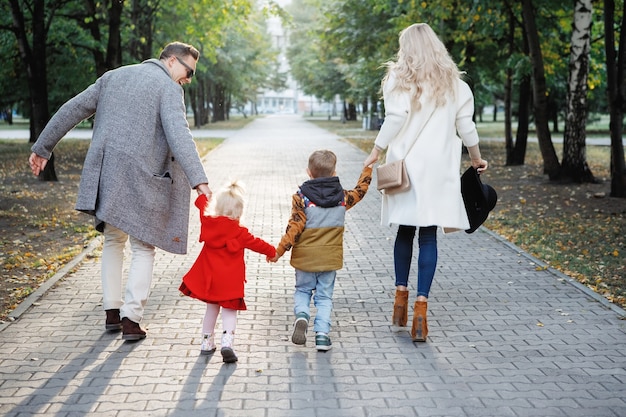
(315, 233)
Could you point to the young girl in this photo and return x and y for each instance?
(218, 275)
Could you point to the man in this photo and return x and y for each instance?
(137, 172)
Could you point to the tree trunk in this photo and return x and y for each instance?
(8, 115)
(615, 71)
(142, 18)
(551, 164)
(92, 23)
(34, 60)
(114, 45)
(518, 154)
(192, 93)
(351, 114)
(574, 156)
(198, 101)
(553, 111)
(48, 174)
(204, 110)
(508, 90)
(219, 101)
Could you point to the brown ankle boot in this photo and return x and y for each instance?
(419, 330)
(131, 330)
(400, 309)
(113, 322)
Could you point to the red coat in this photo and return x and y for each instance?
(219, 273)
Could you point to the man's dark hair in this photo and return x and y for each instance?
(180, 50)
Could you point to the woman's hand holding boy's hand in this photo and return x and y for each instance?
(372, 157)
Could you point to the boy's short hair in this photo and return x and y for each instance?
(230, 200)
(322, 163)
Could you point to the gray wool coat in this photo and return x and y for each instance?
(142, 160)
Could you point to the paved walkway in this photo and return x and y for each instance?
(506, 338)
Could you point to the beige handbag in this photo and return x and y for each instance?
(392, 178)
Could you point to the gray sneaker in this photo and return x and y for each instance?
(300, 327)
(322, 342)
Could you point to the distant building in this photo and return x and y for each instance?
(291, 99)
(285, 101)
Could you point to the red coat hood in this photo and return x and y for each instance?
(222, 232)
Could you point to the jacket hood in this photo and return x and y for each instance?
(222, 232)
(323, 192)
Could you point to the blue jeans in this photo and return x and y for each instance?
(323, 284)
(426, 261)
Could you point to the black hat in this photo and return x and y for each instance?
(479, 198)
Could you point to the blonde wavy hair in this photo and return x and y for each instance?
(230, 200)
(423, 61)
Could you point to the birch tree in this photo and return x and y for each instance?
(574, 164)
(616, 87)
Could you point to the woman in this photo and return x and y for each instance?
(428, 113)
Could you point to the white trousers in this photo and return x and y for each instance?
(139, 273)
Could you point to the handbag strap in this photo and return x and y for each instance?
(419, 133)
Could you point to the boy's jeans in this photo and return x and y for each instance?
(323, 283)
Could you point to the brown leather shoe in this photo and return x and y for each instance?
(131, 330)
(113, 322)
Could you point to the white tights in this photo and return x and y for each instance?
(229, 319)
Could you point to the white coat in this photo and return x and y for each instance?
(433, 163)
